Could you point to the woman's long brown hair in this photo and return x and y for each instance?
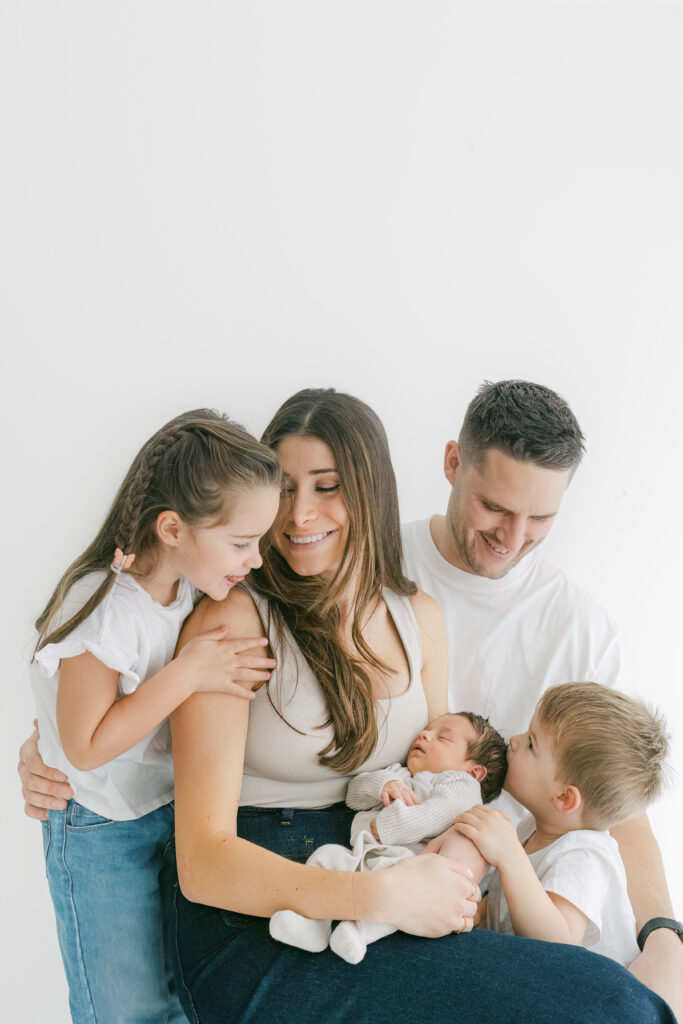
(310, 606)
(186, 466)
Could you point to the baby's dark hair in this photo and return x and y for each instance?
(490, 750)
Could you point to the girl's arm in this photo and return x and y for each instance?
(424, 895)
(94, 727)
(535, 913)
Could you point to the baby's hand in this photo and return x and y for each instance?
(491, 831)
(397, 790)
(219, 665)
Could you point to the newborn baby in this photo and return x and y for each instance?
(456, 762)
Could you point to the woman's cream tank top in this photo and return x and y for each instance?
(281, 765)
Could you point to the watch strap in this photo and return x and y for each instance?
(658, 922)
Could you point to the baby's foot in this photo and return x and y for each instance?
(303, 932)
(348, 943)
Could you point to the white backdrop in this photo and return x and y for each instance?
(218, 204)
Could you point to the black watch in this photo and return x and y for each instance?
(658, 922)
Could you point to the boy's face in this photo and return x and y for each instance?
(531, 775)
(442, 746)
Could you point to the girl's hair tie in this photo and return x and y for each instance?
(121, 562)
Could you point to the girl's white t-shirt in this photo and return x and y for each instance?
(136, 636)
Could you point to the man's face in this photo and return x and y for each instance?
(498, 512)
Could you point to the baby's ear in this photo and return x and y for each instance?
(567, 800)
(478, 772)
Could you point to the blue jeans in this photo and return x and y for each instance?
(230, 971)
(104, 882)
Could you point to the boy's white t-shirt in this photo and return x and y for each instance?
(136, 636)
(585, 868)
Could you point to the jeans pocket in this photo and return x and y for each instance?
(234, 920)
(80, 817)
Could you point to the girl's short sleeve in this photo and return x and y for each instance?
(80, 641)
(103, 634)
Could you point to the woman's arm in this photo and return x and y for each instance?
(94, 727)
(434, 653)
(435, 670)
(425, 896)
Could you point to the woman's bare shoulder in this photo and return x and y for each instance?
(429, 616)
(237, 611)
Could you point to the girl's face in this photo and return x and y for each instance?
(313, 525)
(215, 558)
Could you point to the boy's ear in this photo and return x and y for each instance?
(567, 800)
(478, 772)
(169, 526)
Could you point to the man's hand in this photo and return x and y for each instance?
(397, 790)
(491, 831)
(660, 967)
(43, 788)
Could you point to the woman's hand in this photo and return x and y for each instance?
(491, 831)
(429, 895)
(220, 665)
(42, 787)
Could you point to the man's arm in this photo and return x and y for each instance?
(43, 788)
(660, 965)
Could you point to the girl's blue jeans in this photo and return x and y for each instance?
(230, 971)
(104, 882)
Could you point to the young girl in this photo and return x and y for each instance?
(190, 513)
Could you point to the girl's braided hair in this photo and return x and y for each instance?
(186, 466)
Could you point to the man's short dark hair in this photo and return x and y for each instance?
(490, 750)
(526, 421)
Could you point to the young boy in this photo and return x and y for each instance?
(592, 758)
(457, 761)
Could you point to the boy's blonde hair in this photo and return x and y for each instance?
(610, 746)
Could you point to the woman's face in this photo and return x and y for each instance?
(313, 525)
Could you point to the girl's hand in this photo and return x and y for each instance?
(491, 831)
(397, 790)
(430, 896)
(219, 665)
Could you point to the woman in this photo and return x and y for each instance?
(361, 667)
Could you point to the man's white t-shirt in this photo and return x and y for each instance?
(584, 867)
(510, 639)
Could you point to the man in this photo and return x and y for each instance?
(516, 624)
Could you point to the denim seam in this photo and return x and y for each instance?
(179, 961)
(49, 841)
(77, 933)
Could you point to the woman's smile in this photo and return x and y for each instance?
(313, 525)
